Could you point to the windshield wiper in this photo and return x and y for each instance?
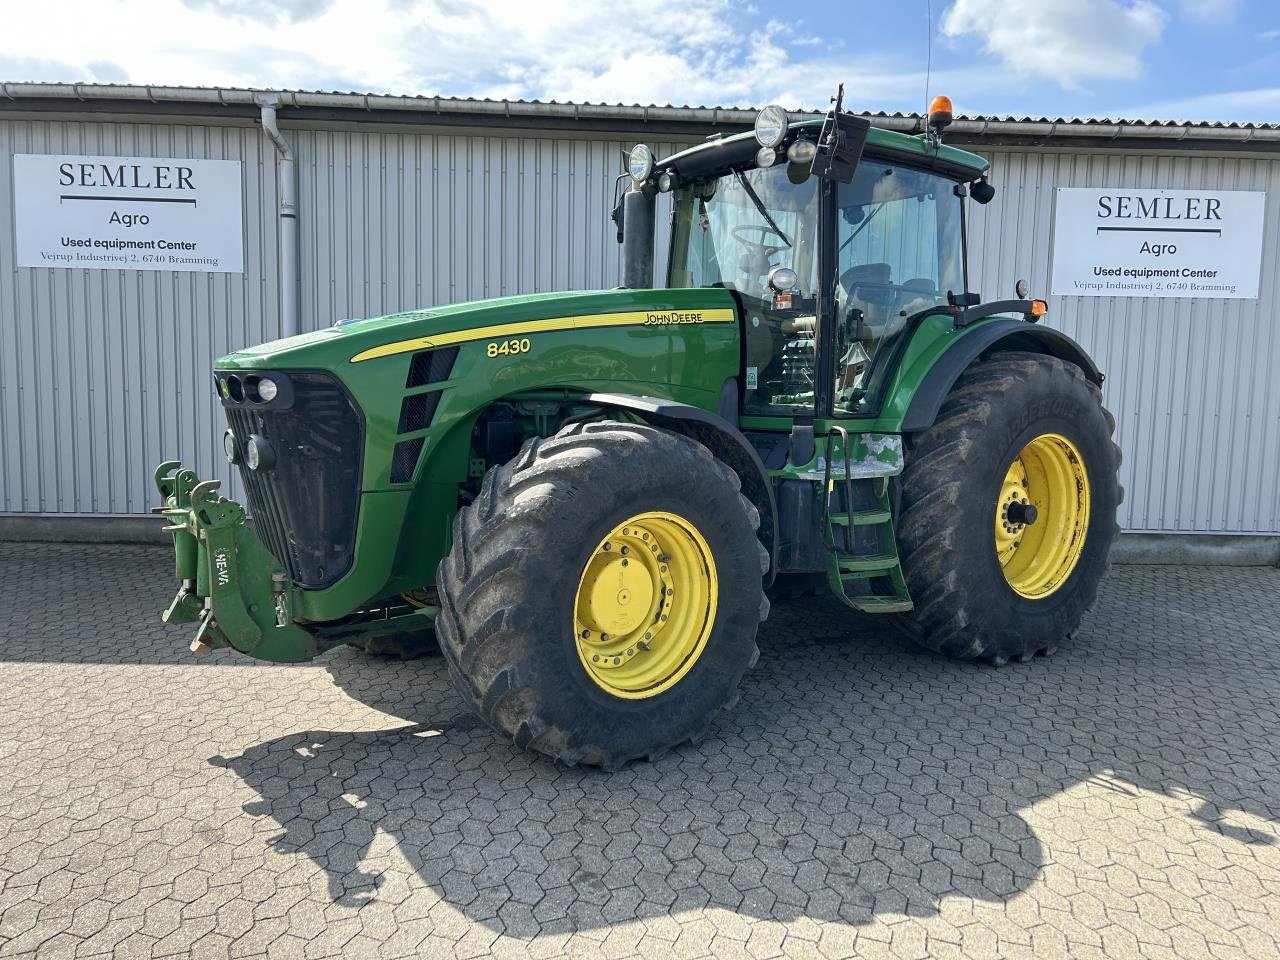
(862, 226)
(760, 206)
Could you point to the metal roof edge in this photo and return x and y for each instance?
(978, 126)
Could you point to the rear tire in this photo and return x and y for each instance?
(975, 596)
(528, 551)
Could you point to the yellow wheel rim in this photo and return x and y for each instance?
(645, 605)
(1042, 516)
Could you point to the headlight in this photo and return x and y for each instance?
(258, 454)
(267, 389)
(771, 125)
(802, 151)
(766, 157)
(640, 163)
(231, 447)
(666, 181)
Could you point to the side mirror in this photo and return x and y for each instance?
(619, 205)
(618, 216)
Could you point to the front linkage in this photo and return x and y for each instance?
(239, 593)
(230, 584)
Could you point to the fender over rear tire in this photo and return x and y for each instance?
(1010, 419)
(527, 558)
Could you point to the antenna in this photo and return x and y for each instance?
(928, 60)
(928, 51)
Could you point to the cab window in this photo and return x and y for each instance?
(732, 231)
(900, 251)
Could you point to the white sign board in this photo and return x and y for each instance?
(128, 213)
(1122, 242)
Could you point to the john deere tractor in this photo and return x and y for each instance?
(588, 496)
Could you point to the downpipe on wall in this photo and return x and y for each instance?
(287, 213)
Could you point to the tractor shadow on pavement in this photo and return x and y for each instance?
(857, 777)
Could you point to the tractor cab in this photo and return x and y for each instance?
(831, 251)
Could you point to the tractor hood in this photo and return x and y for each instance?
(360, 340)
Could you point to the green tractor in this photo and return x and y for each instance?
(589, 496)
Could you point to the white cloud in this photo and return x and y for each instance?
(700, 52)
(1069, 40)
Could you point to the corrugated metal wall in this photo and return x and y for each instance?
(391, 220)
(103, 372)
(1192, 382)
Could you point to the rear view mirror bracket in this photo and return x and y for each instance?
(841, 142)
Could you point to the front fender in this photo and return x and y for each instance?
(724, 440)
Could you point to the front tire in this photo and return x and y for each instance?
(1008, 510)
(601, 598)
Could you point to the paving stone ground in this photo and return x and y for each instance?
(1118, 800)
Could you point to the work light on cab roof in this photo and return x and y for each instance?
(771, 125)
(640, 163)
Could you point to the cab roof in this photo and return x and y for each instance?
(960, 163)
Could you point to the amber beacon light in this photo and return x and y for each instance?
(940, 112)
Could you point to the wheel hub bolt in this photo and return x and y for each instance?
(1023, 513)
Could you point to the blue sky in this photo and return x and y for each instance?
(1149, 59)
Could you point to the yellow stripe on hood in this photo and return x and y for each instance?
(652, 318)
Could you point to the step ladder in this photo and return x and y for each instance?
(868, 582)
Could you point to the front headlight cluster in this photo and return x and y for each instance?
(252, 388)
(256, 454)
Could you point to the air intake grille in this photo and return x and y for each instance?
(405, 460)
(417, 410)
(305, 508)
(431, 366)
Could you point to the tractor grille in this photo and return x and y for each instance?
(305, 508)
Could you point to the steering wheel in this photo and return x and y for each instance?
(755, 261)
(763, 230)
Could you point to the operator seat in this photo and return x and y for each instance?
(915, 295)
(867, 288)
